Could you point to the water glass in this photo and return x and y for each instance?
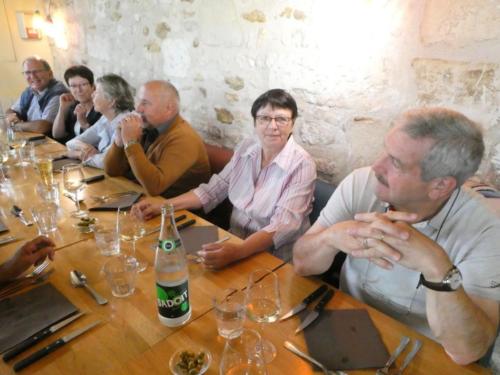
(27, 154)
(243, 355)
(229, 308)
(107, 239)
(121, 273)
(49, 193)
(45, 217)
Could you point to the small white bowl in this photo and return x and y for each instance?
(175, 359)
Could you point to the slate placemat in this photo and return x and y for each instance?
(26, 314)
(345, 340)
(3, 227)
(122, 202)
(194, 237)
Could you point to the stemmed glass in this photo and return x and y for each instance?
(263, 304)
(131, 229)
(73, 182)
(17, 142)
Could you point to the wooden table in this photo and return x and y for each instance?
(132, 340)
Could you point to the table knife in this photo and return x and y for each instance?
(306, 301)
(186, 224)
(311, 317)
(30, 341)
(157, 229)
(51, 347)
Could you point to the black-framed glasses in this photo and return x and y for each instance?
(33, 72)
(280, 121)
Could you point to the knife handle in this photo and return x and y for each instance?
(186, 224)
(37, 355)
(311, 297)
(28, 343)
(324, 300)
(179, 218)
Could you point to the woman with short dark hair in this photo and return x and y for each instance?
(113, 98)
(76, 110)
(269, 181)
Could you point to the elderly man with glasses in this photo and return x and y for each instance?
(37, 107)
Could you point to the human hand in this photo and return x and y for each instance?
(216, 255)
(31, 253)
(87, 152)
(81, 112)
(131, 128)
(390, 237)
(148, 207)
(12, 118)
(65, 100)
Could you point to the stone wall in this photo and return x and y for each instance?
(351, 65)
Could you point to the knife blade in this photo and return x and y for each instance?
(30, 341)
(51, 347)
(311, 317)
(306, 301)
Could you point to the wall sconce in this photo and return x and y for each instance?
(29, 25)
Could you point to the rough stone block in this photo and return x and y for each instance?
(255, 16)
(162, 29)
(224, 116)
(236, 83)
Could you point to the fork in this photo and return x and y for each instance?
(307, 357)
(402, 345)
(37, 271)
(416, 347)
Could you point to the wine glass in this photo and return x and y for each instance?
(263, 304)
(17, 142)
(73, 182)
(131, 229)
(242, 355)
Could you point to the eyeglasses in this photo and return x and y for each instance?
(79, 86)
(33, 72)
(280, 121)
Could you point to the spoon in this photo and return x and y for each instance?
(300, 353)
(78, 279)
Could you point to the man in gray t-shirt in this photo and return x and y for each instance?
(420, 248)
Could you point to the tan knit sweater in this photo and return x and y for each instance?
(175, 163)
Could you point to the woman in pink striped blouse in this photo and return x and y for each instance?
(269, 181)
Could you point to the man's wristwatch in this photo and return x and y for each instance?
(451, 281)
(130, 143)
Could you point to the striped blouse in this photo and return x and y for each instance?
(276, 199)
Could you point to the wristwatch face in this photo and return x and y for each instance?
(454, 279)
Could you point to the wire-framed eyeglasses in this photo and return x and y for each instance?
(280, 121)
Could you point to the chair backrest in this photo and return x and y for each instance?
(218, 157)
(322, 192)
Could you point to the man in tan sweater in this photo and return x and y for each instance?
(156, 146)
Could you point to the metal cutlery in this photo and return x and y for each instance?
(307, 357)
(402, 345)
(8, 239)
(32, 340)
(51, 347)
(106, 198)
(414, 350)
(18, 212)
(38, 270)
(306, 301)
(313, 315)
(78, 279)
(21, 284)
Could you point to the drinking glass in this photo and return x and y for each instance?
(242, 355)
(229, 309)
(263, 304)
(45, 216)
(4, 156)
(17, 142)
(44, 166)
(121, 271)
(73, 182)
(131, 229)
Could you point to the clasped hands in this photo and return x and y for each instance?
(129, 129)
(388, 238)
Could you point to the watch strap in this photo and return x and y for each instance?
(130, 143)
(442, 286)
